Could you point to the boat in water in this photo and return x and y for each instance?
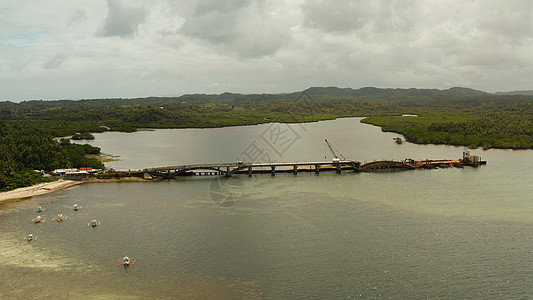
(126, 261)
(94, 223)
(38, 219)
(60, 218)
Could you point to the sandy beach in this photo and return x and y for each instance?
(39, 189)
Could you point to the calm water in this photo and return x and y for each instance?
(446, 233)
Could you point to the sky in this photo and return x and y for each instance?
(64, 49)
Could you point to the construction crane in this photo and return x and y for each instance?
(333, 152)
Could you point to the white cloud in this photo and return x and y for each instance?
(122, 21)
(78, 17)
(244, 28)
(55, 61)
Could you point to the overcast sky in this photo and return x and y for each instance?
(64, 49)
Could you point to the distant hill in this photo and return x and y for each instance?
(346, 92)
(461, 91)
(373, 91)
(210, 97)
(527, 92)
(323, 93)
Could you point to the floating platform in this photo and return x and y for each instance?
(410, 164)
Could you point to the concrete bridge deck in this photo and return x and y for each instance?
(229, 169)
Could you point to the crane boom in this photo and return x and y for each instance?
(333, 151)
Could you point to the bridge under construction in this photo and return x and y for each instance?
(336, 165)
(230, 169)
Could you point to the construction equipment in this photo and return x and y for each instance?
(336, 157)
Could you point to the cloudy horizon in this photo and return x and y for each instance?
(59, 49)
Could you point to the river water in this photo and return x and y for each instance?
(443, 233)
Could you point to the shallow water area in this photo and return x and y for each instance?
(451, 233)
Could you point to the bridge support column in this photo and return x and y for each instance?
(317, 169)
(295, 169)
(228, 173)
(250, 171)
(338, 168)
(273, 171)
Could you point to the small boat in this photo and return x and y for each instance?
(94, 223)
(39, 209)
(126, 261)
(60, 218)
(38, 219)
(30, 237)
(76, 207)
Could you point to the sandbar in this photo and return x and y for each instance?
(38, 189)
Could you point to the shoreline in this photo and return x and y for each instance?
(38, 189)
(61, 184)
(121, 179)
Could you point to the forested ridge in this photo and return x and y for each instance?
(455, 116)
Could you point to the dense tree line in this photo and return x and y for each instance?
(507, 126)
(25, 147)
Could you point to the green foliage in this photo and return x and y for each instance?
(21, 179)
(83, 136)
(504, 126)
(77, 156)
(26, 146)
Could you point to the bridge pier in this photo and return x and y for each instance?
(338, 168)
(228, 173)
(250, 171)
(295, 169)
(317, 169)
(273, 170)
